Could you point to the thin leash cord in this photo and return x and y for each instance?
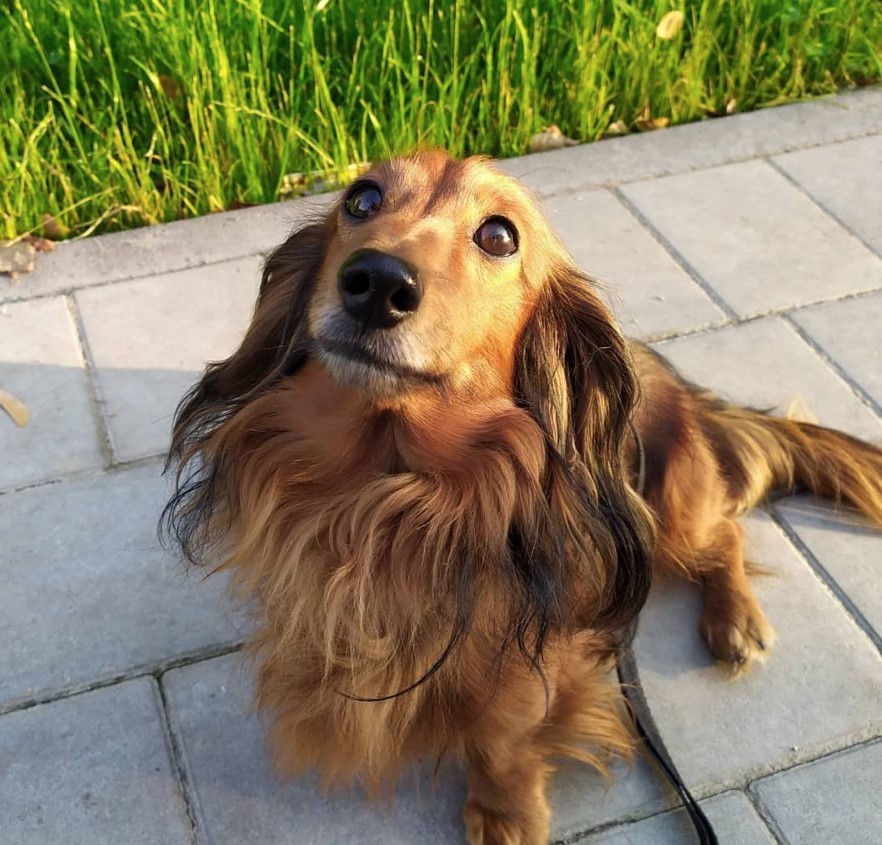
(629, 680)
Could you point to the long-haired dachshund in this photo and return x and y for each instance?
(447, 480)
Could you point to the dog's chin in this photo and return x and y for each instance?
(355, 366)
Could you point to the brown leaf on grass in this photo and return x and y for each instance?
(16, 409)
(171, 87)
(670, 25)
(550, 138)
(53, 228)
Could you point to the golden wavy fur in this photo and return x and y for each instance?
(421, 463)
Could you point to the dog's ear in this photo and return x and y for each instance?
(275, 345)
(575, 377)
(276, 340)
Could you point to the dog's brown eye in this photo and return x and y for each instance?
(497, 236)
(364, 200)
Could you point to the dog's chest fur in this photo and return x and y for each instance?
(356, 570)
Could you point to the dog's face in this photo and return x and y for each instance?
(432, 330)
(432, 269)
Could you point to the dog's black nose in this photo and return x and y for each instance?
(378, 290)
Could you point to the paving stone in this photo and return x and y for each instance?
(40, 364)
(704, 144)
(150, 339)
(766, 364)
(755, 238)
(87, 593)
(847, 180)
(838, 799)
(732, 815)
(163, 249)
(818, 692)
(650, 292)
(90, 770)
(850, 332)
(846, 545)
(239, 799)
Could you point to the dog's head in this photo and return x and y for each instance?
(431, 270)
(436, 289)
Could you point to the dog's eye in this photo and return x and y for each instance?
(364, 200)
(497, 236)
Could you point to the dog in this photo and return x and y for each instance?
(446, 480)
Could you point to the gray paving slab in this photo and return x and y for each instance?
(819, 691)
(150, 339)
(835, 800)
(846, 545)
(650, 293)
(846, 179)
(87, 593)
(766, 364)
(163, 249)
(90, 770)
(850, 332)
(755, 238)
(239, 799)
(734, 819)
(41, 364)
(707, 143)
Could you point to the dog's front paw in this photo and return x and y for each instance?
(488, 827)
(738, 635)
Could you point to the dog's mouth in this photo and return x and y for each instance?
(357, 363)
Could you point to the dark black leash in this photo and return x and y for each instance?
(629, 680)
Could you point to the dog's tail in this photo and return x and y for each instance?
(761, 454)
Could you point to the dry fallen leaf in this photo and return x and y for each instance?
(669, 25)
(648, 124)
(17, 257)
(16, 409)
(171, 87)
(617, 127)
(53, 228)
(39, 244)
(319, 181)
(731, 106)
(550, 138)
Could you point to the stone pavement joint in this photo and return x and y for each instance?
(155, 671)
(839, 219)
(747, 249)
(780, 515)
(792, 319)
(95, 399)
(678, 256)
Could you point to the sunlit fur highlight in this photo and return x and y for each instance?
(445, 566)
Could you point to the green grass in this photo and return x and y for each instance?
(120, 113)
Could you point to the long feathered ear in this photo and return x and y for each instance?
(574, 375)
(275, 345)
